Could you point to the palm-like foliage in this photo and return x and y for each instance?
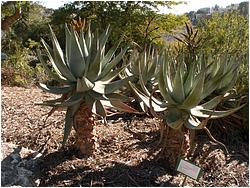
(183, 92)
(86, 72)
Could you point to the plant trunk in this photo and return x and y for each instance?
(174, 143)
(84, 124)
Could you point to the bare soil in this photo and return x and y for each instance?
(122, 158)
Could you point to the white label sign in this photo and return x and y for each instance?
(188, 169)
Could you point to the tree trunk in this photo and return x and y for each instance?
(84, 122)
(174, 143)
(8, 21)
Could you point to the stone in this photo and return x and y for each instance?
(18, 165)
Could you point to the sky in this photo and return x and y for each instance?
(192, 5)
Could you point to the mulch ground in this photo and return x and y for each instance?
(122, 157)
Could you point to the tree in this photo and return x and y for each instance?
(244, 8)
(24, 21)
(138, 20)
(13, 11)
(225, 33)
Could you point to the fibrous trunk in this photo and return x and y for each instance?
(84, 124)
(174, 143)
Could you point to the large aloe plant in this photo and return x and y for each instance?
(86, 72)
(183, 92)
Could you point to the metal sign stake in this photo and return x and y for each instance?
(184, 181)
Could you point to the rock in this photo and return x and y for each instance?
(3, 56)
(18, 165)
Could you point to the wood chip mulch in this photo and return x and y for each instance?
(122, 157)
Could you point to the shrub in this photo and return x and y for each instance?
(17, 72)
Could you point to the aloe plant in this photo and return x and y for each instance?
(143, 66)
(183, 92)
(86, 72)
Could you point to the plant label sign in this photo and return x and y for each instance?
(189, 169)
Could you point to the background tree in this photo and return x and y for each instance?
(20, 36)
(226, 33)
(13, 11)
(140, 20)
(244, 8)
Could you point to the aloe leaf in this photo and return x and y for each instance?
(88, 37)
(59, 58)
(121, 106)
(212, 103)
(53, 102)
(146, 99)
(60, 68)
(178, 89)
(141, 78)
(99, 109)
(109, 56)
(109, 66)
(110, 53)
(74, 99)
(61, 102)
(119, 96)
(144, 65)
(213, 68)
(194, 98)
(47, 69)
(183, 69)
(69, 121)
(67, 44)
(68, 125)
(128, 72)
(188, 85)
(51, 58)
(112, 75)
(104, 38)
(213, 84)
(76, 57)
(193, 123)
(153, 66)
(97, 96)
(141, 95)
(204, 113)
(110, 87)
(95, 66)
(165, 88)
(88, 40)
(56, 90)
(143, 106)
(83, 85)
(144, 88)
(58, 53)
(161, 83)
(228, 82)
(83, 44)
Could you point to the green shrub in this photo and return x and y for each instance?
(17, 72)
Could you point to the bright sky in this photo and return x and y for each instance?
(192, 5)
(53, 3)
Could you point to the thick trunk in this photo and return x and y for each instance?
(84, 122)
(174, 143)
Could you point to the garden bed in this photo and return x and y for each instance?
(122, 157)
